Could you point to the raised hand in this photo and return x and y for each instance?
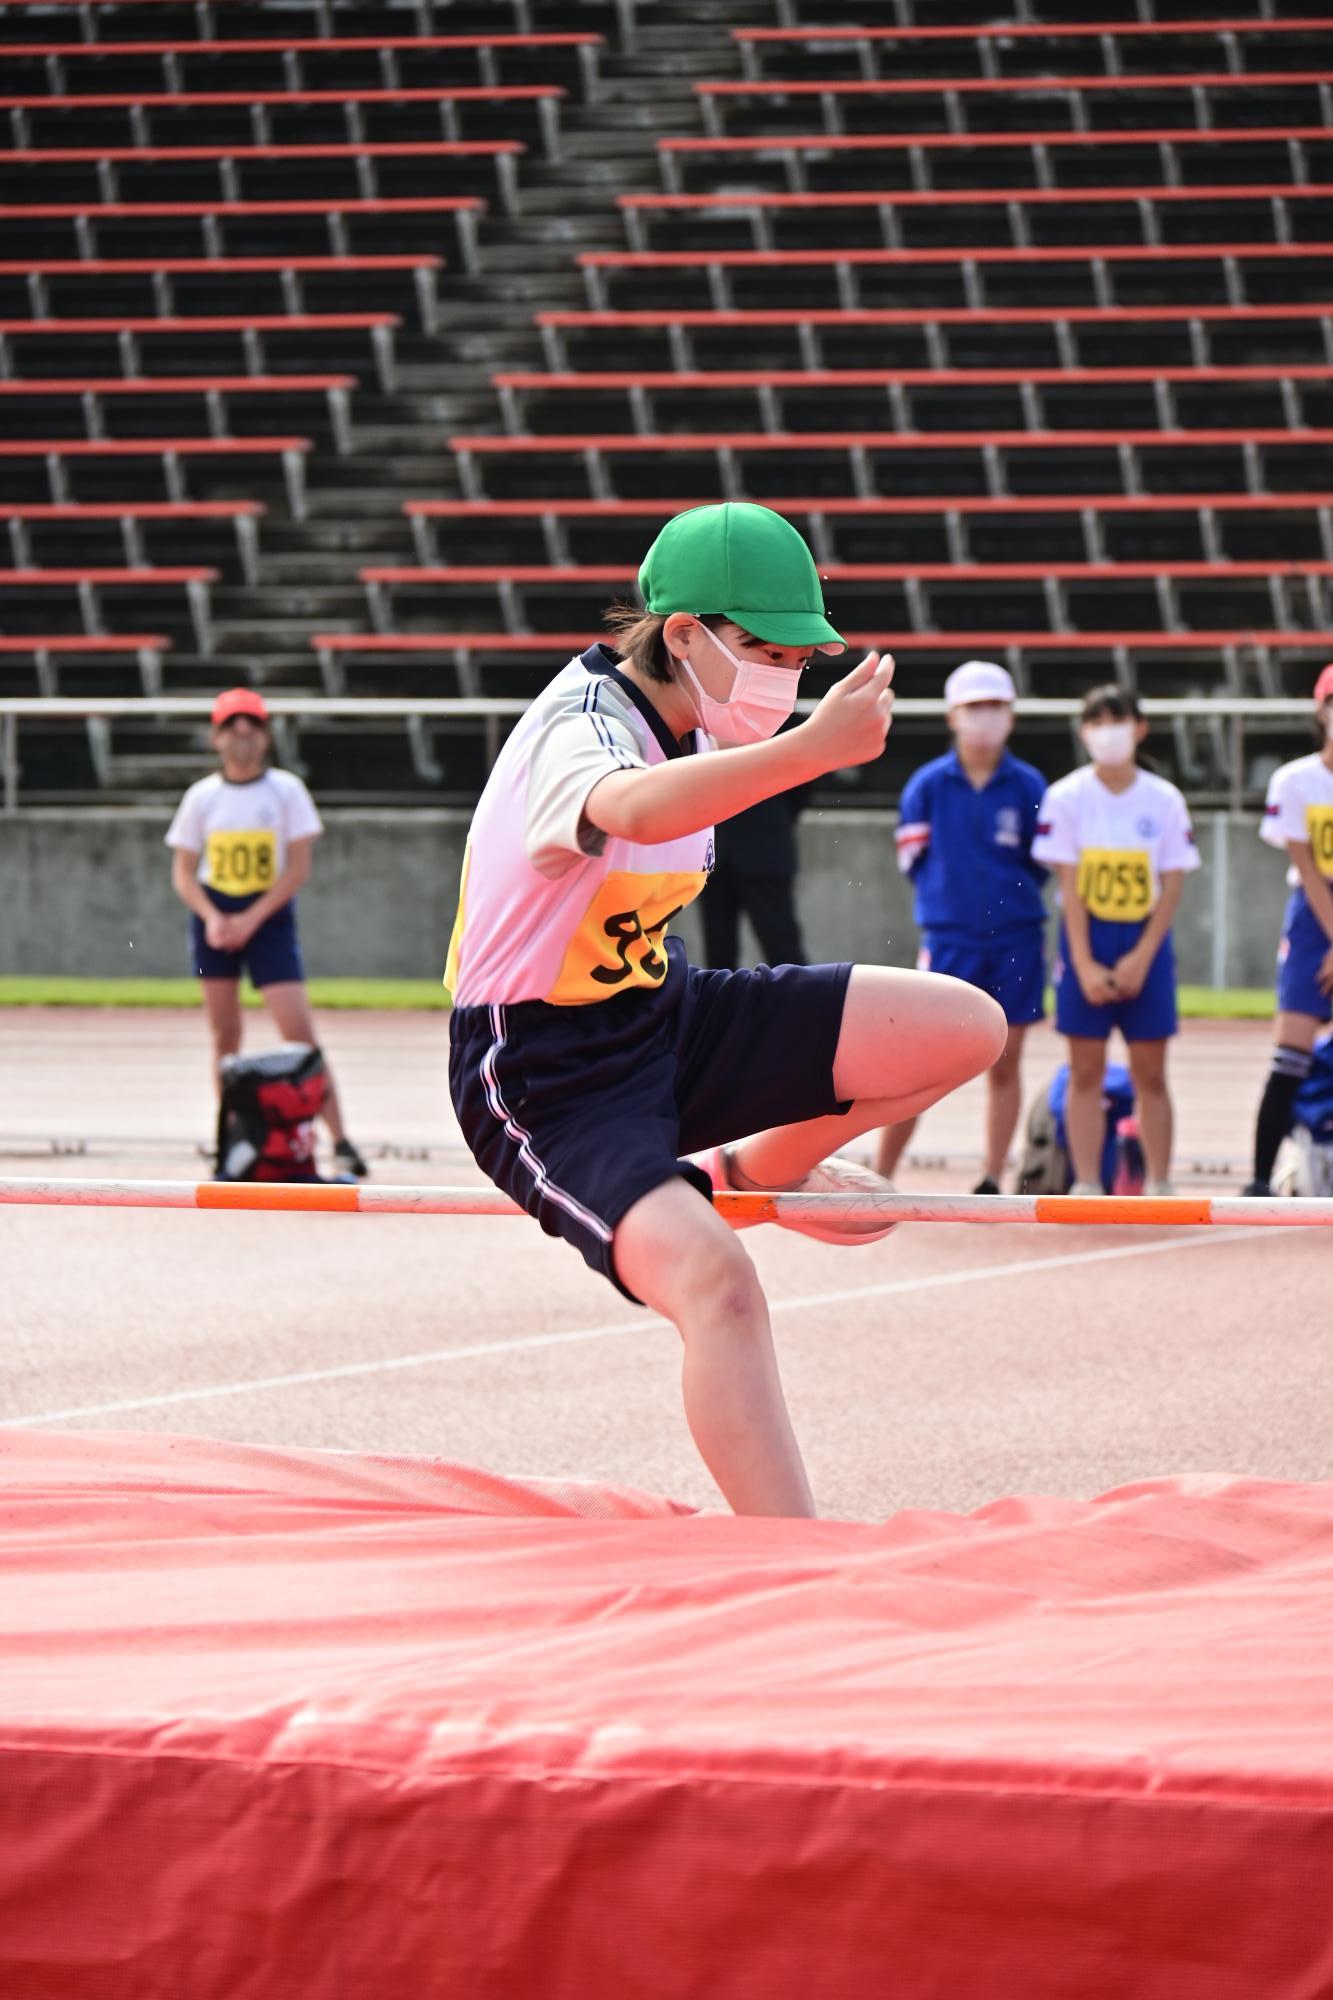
(852, 722)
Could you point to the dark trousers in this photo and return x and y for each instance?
(767, 900)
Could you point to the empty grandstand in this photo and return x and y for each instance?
(358, 348)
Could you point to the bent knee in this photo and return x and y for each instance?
(977, 1026)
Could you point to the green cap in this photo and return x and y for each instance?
(746, 563)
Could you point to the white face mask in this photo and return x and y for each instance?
(983, 728)
(1110, 742)
(761, 698)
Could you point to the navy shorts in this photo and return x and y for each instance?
(1012, 970)
(1149, 1017)
(272, 957)
(1300, 954)
(578, 1112)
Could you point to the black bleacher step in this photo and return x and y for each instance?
(345, 535)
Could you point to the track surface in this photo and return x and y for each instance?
(941, 1368)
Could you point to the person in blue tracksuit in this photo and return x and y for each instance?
(965, 831)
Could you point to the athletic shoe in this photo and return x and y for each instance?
(986, 1186)
(1159, 1189)
(1086, 1188)
(346, 1154)
(1258, 1189)
(839, 1176)
(832, 1176)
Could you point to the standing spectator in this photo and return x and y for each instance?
(241, 841)
(754, 876)
(1298, 816)
(965, 832)
(1122, 842)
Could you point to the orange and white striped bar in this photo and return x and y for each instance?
(320, 1198)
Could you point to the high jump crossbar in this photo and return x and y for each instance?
(322, 1198)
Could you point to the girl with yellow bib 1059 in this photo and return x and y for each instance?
(241, 842)
(1121, 840)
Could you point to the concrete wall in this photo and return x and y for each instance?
(88, 893)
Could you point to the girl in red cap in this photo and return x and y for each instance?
(241, 842)
(1298, 816)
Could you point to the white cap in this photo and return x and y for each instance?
(977, 680)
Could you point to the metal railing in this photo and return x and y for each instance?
(1228, 714)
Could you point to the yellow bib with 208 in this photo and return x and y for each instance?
(1319, 825)
(1116, 883)
(244, 862)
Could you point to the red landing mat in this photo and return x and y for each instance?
(312, 1726)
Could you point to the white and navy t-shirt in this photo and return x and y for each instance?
(241, 832)
(550, 908)
(1299, 806)
(1122, 843)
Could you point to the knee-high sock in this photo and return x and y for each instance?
(1289, 1069)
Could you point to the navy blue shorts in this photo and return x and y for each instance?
(578, 1112)
(1012, 970)
(1149, 1017)
(1300, 954)
(272, 957)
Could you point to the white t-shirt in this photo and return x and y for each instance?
(1121, 842)
(1299, 806)
(241, 833)
(549, 907)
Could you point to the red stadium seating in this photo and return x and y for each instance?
(816, 512)
(130, 516)
(213, 389)
(1201, 320)
(86, 581)
(849, 264)
(799, 152)
(290, 269)
(490, 51)
(47, 649)
(463, 211)
(229, 159)
(890, 204)
(252, 327)
(51, 115)
(173, 453)
(768, 385)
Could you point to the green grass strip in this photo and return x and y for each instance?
(1236, 1003)
(57, 990)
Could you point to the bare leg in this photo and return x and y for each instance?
(1147, 1064)
(289, 1006)
(676, 1254)
(222, 1006)
(908, 1038)
(1085, 1120)
(1004, 1101)
(892, 1145)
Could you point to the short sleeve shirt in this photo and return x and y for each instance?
(968, 849)
(550, 908)
(242, 833)
(1300, 807)
(1122, 843)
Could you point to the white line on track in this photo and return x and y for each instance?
(618, 1329)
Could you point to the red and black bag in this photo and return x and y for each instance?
(266, 1129)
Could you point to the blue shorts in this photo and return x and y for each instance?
(1012, 970)
(1149, 1017)
(1301, 951)
(272, 957)
(578, 1112)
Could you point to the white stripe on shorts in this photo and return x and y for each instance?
(523, 1140)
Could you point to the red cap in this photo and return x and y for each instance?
(239, 701)
(1323, 687)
